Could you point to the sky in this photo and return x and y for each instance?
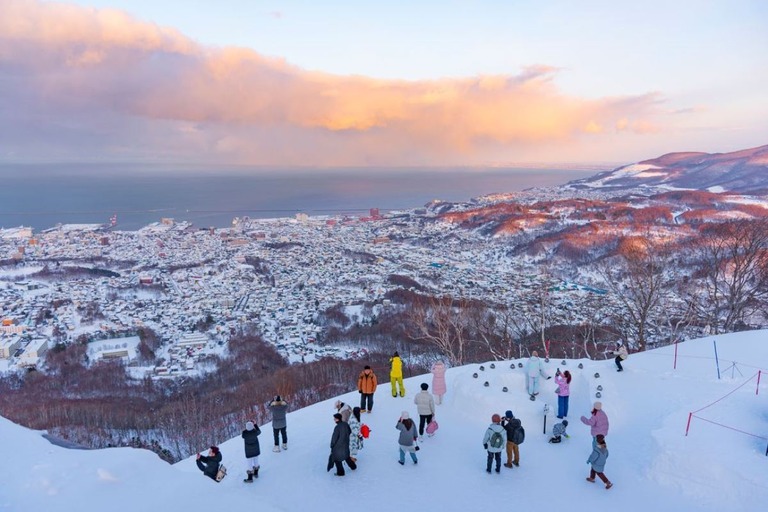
(432, 83)
(652, 464)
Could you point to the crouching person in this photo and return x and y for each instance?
(209, 464)
(558, 432)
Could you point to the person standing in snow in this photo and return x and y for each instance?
(598, 459)
(340, 447)
(252, 450)
(598, 422)
(558, 431)
(366, 385)
(438, 381)
(279, 408)
(344, 409)
(494, 440)
(563, 392)
(513, 426)
(209, 464)
(425, 406)
(407, 439)
(355, 438)
(396, 374)
(534, 369)
(621, 354)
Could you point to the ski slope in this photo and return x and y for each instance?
(652, 464)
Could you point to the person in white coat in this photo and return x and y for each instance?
(535, 369)
(621, 354)
(425, 406)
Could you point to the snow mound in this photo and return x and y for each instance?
(719, 465)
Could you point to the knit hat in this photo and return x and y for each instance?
(249, 425)
(278, 399)
(337, 404)
(215, 449)
(496, 418)
(337, 416)
(424, 386)
(367, 367)
(598, 406)
(565, 423)
(509, 414)
(404, 415)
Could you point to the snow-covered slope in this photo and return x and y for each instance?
(652, 464)
(739, 171)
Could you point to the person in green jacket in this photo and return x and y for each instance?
(396, 374)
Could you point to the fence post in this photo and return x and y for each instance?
(674, 366)
(717, 362)
(688, 426)
(757, 389)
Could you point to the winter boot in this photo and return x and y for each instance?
(608, 485)
(250, 477)
(256, 472)
(592, 480)
(276, 449)
(285, 446)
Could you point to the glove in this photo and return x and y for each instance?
(567, 436)
(360, 391)
(485, 446)
(549, 377)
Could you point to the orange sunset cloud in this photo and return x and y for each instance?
(101, 66)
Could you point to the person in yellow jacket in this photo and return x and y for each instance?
(396, 374)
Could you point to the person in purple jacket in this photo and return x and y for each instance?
(598, 422)
(563, 381)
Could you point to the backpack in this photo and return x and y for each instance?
(518, 436)
(496, 439)
(221, 473)
(365, 431)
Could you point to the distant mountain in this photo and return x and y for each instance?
(742, 171)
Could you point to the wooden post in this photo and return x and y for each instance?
(688, 426)
(757, 388)
(717, 362)
(674, 365)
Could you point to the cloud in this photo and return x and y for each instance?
(101, 68)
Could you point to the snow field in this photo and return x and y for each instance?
(652, 464)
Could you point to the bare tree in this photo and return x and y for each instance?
(734, 263)
(494, 328)
(636, 280)
(442, 322)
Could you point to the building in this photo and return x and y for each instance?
(9, 346)
(114, 348)
(193, 340)
(35, 350)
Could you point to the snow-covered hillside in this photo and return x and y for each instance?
(652, 464)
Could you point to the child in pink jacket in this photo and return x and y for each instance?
(563, 381)
(598, 422)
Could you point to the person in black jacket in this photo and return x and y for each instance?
(340, 446)
(511, 425)
(209, 464)
(252, 450)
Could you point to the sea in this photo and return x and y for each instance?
(42, 196)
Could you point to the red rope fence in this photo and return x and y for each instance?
(692, 415)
